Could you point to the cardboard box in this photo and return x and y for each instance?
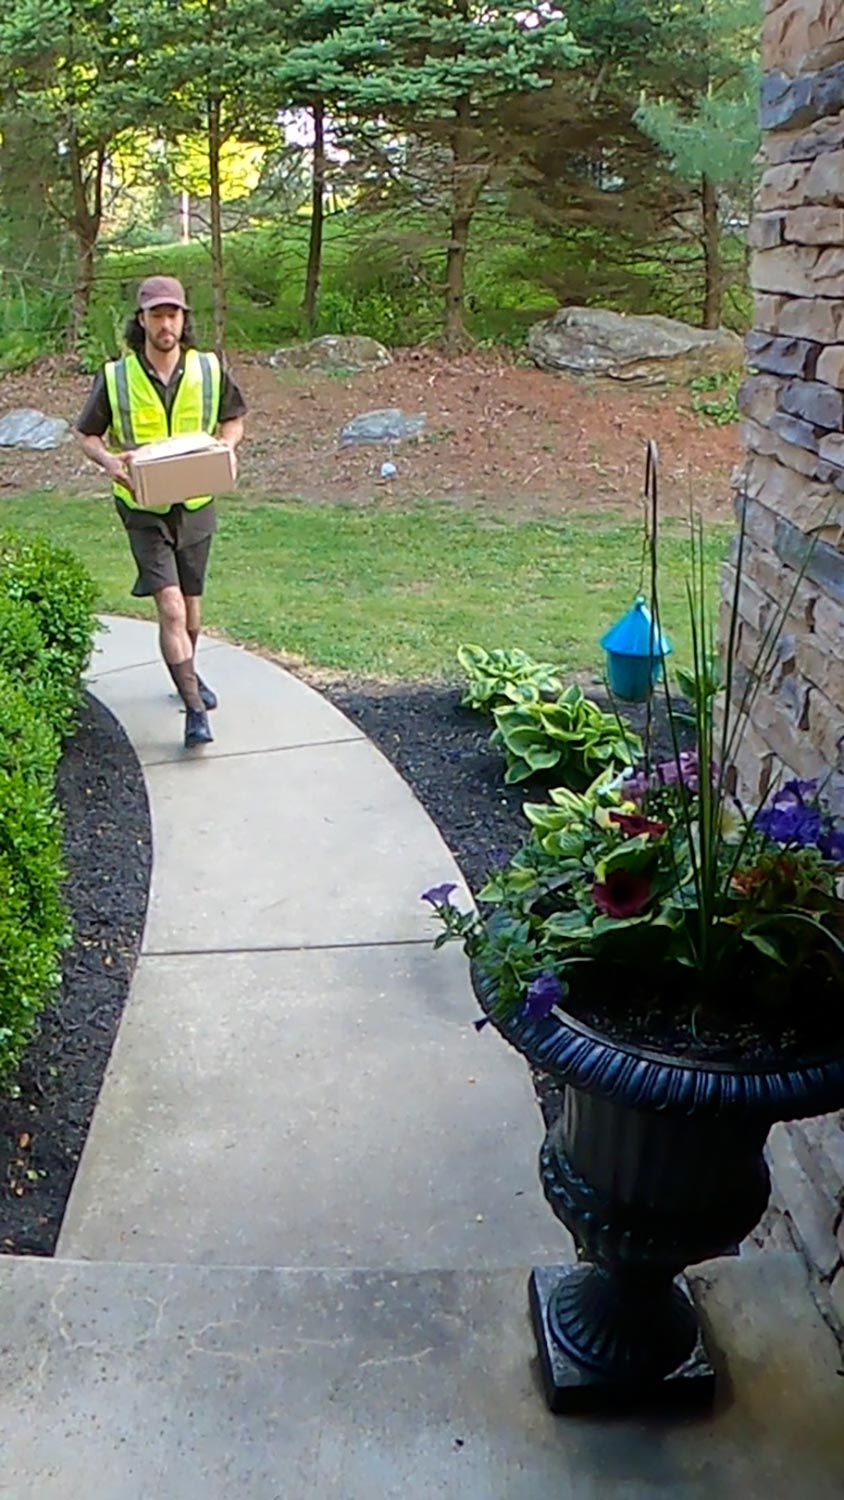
(181, 468)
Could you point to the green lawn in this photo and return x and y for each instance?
(390, 593)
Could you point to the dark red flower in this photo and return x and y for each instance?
(633, 825)
(622, 894)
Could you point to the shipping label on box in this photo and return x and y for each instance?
(181, 468)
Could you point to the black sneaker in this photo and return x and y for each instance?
(207, 694)
(197, 728)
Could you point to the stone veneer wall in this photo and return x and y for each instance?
(792, 482)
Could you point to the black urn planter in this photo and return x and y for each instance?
(655, 1163)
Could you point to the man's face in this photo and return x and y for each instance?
(163, 327)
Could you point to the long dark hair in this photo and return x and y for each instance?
(135, 337)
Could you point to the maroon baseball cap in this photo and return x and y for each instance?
(161, 291)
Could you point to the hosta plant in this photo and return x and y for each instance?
(495, 677)
(571, 740)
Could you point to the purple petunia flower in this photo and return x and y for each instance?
(439, 895)
(542, 996)
(791, 818)
(681, 771)
(685, 771)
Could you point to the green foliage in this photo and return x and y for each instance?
(199, 55)
(415, 61)
(380, 278)
(606, 896)
(70, 67)
(659, 886)
(719, 140)
(46, 627)
(495, 677)
(707, 124)
(517, 120)
(435, 73)
(715, 397)
(33, 923)
(59, 594)
(32, 323)
(101, 337)
(571, 739)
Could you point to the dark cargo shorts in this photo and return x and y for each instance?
(169, 550)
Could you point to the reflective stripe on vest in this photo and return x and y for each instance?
(138, 415)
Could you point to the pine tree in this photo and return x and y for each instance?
(438, 71)
(707, 127)
(67, 67)
(209, 67)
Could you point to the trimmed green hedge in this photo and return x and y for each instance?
(46, 632)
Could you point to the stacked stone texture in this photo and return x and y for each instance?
(791, 487)
(791, 484)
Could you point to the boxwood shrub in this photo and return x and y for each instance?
(46, 631)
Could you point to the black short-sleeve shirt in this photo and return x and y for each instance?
(95, 419)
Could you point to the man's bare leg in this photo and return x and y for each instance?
(193, 618)
(176, 646)
(193, 621)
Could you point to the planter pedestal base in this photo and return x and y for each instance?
(571, 1386)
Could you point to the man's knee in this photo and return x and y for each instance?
(170, 603)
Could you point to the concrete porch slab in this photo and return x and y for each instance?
(127, 1382)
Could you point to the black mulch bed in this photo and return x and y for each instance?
(108, 855)
(442, 751)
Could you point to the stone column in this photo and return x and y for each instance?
(793, 405)
(792, 481)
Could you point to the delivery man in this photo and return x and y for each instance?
(165, 387)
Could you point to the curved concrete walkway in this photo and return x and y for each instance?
(293, 1264)
(296, 1080)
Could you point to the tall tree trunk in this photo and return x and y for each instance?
(83, 286)
(466, 183)
(85, 221)
(312, 277)
(218, 280)
(713, 302)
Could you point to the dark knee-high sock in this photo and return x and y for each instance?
(183, 674)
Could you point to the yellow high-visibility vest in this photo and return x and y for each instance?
(138, 415)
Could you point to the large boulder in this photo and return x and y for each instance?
(618, 346)
(333, 351)
(27, 428)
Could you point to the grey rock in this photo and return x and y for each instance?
(815, 402)
(594, 341)
(824, 136)
(832, 448)
(790, 103)
(389, 425)
(811, 1211)
(349, 352)
(795, 430)
(27, 428)
(766, 231)
(823, 564)
(782, 356)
